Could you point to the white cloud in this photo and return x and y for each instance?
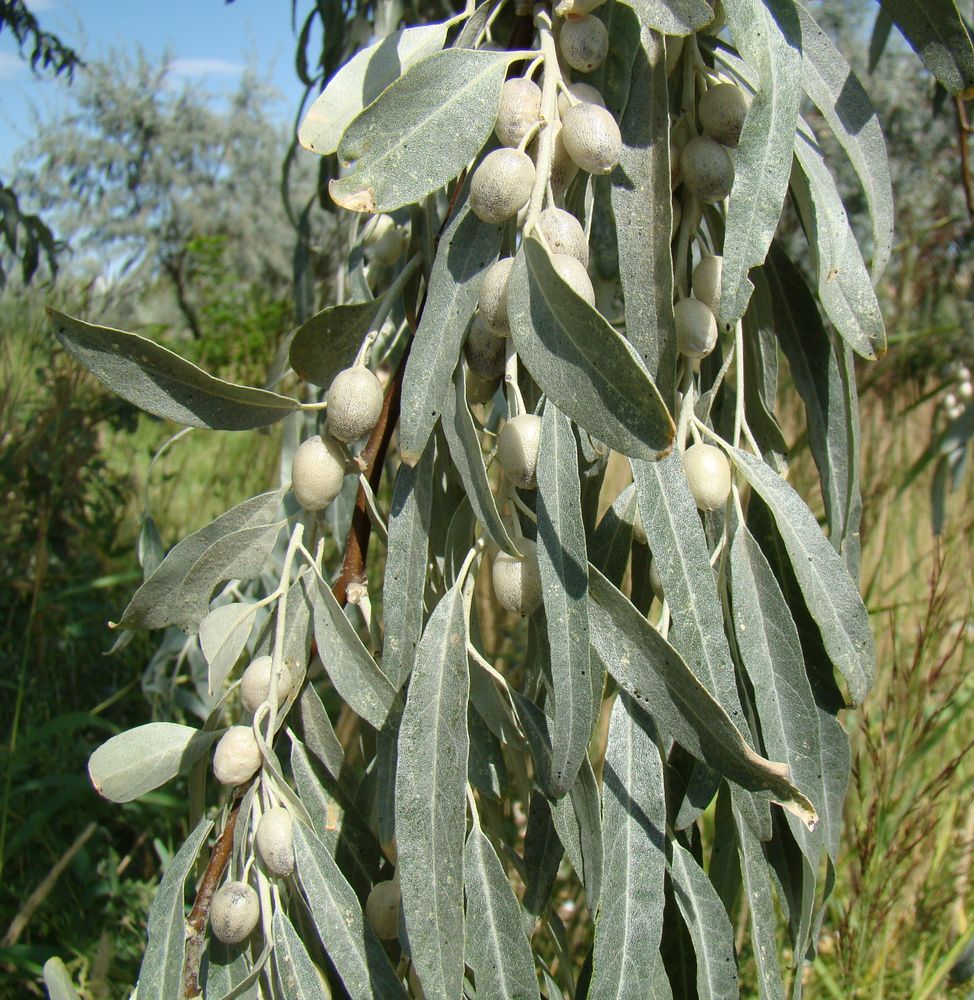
(205, 67)
(10, 65)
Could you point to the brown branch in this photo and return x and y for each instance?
(372, 456)
(963, 130)
(196, 921)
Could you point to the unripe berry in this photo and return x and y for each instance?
(517, 449)
(564, 233)
(501, 185)
(581, 91)
(256, 683)
(517, 582)
(480, 390)
(485, 352)
(584, 42)
(722, 111)
(275, 841)
(573, 272)
(706, 281)
(696, 328)
(377, 227)
(382, 909)
(317, 472)
(709, 475)
(234, 912)
(949, 401)
(492, 302)
(592, 138)
(237, 756)
(965, 390)
(706, 169)
(519, 110)
(354, 403)
(389, 247)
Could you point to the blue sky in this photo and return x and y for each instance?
(211, 42)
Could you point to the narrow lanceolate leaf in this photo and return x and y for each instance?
(709, 926)
(497, 950)
(564, 586)
(319, 734)
(768, 36)
(236, 544)
(838, 94)
(421, 131)
(679, 547)
(612, 541)
(815, 370)
(940, 38)
(613, 79)
(297, 974)
(630, 920)
(578, 822)
(164, 384)
(649, 669)
(58, 982)
(141, 759)
(468, 457)
(465, 251)
(543, 852)
(161, 975)
(327, 343)
(795, 730)
(407, 556)
(587, 370)
(431, 781)
(360, 81)
(764, 917)
(674, 17)
(223, 635)
(844, 286)
(353, 671)
(356, 953)
(831, 595)
(640, 189)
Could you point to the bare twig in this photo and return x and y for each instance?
(196, 921)
(963, 132)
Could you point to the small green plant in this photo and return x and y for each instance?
(430, 810)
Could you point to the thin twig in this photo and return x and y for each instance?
(373, 456)
(963, 131)
(196, 921)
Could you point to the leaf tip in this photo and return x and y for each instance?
(362, 200)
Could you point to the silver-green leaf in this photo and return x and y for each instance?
(431, 782)
(674, 17)
(161, 975)
(564, 586)
(590, 373)
(141, 759)
(768, 35)
(353, 671)
(421, 131)
(640, 197)
(233, 547)
(223, 635)
(578, 821)
(355, 951)
(164, 384)
(407, 557)
(326, 343)
(939, 36)
(360, 81)
(497, 949)
(839, 95)
(709, 926)
(830, 593)
(58, 982)
(298, 975)
(465, 251)
(630, 920)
